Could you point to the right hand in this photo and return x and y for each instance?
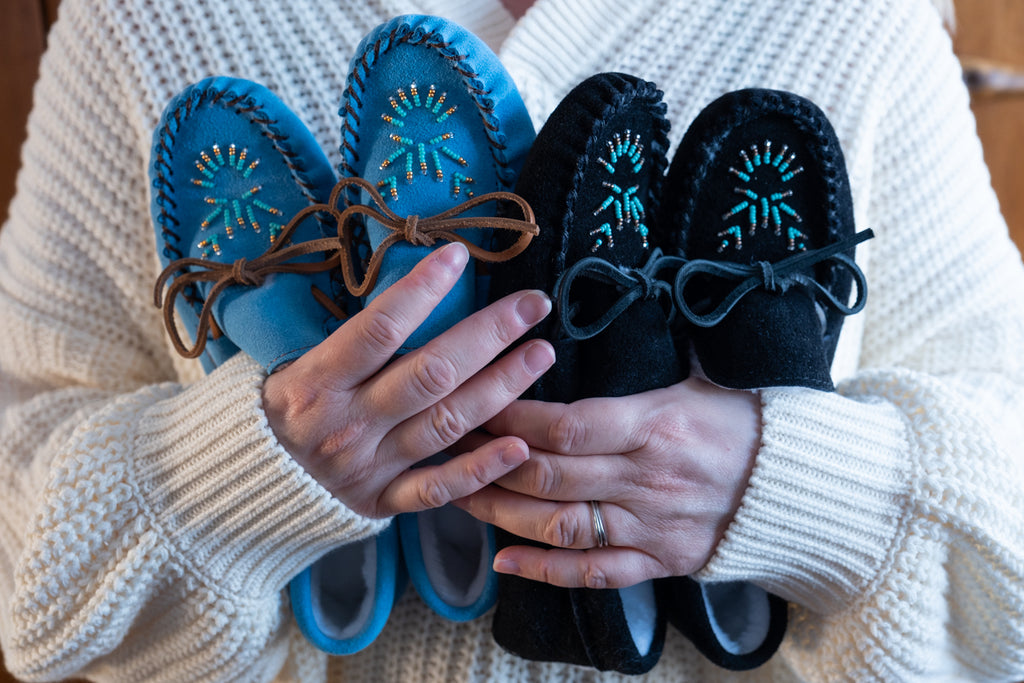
(357, 422)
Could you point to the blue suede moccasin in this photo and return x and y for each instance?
(342, 602)
(431, 119)
(435, 131)
(230, 165)
(448, 556)
(239, 183)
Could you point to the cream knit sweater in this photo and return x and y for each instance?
(150, 520)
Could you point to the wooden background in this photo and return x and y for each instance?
(990, 30)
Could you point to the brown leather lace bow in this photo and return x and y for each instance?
(425, 231)
(278, 258)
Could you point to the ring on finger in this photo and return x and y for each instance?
(600, 531)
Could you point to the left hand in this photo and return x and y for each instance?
(668, 466)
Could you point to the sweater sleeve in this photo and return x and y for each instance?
(891, 512)
(149, 526)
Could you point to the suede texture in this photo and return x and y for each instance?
(759, 176)
(430, 117)
(231, 136)
(342, 602)
(231, 164)
(749, 141)
(569, 177)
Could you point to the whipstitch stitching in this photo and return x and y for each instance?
(241, 104)
(414, 36)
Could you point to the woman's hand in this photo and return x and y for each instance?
(668, 468)
(357, 422)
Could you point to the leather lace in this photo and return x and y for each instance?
(278, 258)
(425, 231)
(773, 277)
(633, 284)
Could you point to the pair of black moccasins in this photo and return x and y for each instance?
(743, 249)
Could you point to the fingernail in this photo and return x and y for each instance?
(505, 566)
(539, 357)
(513, 455)
(453, 255)
(532, 307)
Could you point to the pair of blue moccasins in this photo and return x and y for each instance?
(749, 235)
(259, 258)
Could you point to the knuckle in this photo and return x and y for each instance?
(336, 455)
(382, 331)
(655, 477)
(548, 571)
(562, 530)
(568, 432)
(503, 332)
(671, 431)
(294, 400)
(435, 375)
(448, 425)
(595, 577)
(479, 473)
(545, 478)
(338, 442)
(508, 383)
(433, 493)
(427, 282)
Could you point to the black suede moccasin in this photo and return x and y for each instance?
(761, 209)
(593, 178)
(758, 203)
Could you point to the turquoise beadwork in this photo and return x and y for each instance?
(419, 156)
(625, 158)
(230, 212)
(771, 207)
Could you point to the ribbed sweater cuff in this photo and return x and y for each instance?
(824, 502)
(232, 501)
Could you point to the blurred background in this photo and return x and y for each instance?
(987, 36)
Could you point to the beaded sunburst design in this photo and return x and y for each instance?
(222, 173)
(429, 150)
(622, 205)
(764, 193)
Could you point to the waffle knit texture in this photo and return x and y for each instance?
(150, 520)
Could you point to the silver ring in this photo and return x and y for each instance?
(599, 529)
